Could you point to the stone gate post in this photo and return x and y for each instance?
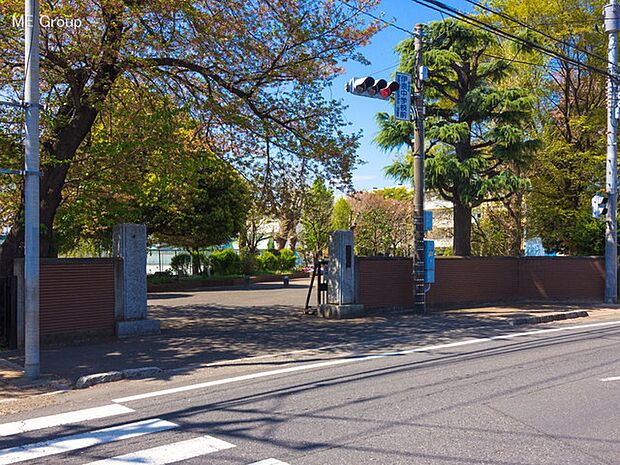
(341, 278)
(130, 282)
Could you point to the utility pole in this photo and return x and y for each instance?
(31, 190)
(418, 177)
(612, 23)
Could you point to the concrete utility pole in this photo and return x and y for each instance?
(418, 178)
(612, 23)
(31, 188)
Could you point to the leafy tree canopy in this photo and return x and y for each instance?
(247, 70)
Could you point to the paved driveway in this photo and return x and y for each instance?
(258, 295)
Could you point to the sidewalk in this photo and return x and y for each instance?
(207, 326)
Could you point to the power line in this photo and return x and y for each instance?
(531, 28)
(459, 15)
(514, 60)
(456, 14)
(377, 18)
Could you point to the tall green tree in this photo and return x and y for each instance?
(316, 217)
(146, 162)
(341, 216)
(570, 166)
(476, 129)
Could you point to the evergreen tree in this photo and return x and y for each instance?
(476, 129)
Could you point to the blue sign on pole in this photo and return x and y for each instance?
(429, 261)
(402, 102)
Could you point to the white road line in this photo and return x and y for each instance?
(169, 453)
(32, 424)
(615, 378)
(81, 441)
(269, 462)
(350, 360)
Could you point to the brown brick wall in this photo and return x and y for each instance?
(77, 297)
(387, 282)
(562, 278)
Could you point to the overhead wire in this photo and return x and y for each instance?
(510, 18)
(457, 14)
(454, 13)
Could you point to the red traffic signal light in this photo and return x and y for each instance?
(389, 89)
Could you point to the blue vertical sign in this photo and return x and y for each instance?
(429, 261)
(402, 101)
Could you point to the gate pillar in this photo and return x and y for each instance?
(130, 282)
(341, 290)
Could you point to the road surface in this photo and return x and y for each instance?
(543, 395)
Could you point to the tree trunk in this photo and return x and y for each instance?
(461, 244)
(282, 235)
(72, 124)
(515, 208)
(195, 253)
(292, 242)
(52, 181)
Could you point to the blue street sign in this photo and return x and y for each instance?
(402, 102)
(429, 261)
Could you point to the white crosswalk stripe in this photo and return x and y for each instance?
(270, 462)
(49, 421)
(83, 440)
(169, 453)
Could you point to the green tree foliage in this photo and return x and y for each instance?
(206, 207)
(145, 163)
(477, 130)
(396, 193)
(247, 70)
(316, 217)
(268, 261)
(341, 216)
(286, 260)
(570, 167)
(491, 234)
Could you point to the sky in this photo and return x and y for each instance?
(383, 62)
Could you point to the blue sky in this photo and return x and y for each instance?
(361, 111)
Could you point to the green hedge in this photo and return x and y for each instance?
(225, 262)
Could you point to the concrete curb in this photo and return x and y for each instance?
(111, 376)
(547, 318)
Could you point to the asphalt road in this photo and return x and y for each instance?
(535, 396)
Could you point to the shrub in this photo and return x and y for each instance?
(181, 264)
(225, 262)
(249, 262)
(268, 261)
(286, 260)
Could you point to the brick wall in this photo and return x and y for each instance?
(76, 298)
(467, 281)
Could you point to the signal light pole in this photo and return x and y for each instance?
(419, 272)
(401, 89)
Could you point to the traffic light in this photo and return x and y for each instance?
(599, 205)
(389, 89)
(369, 87)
